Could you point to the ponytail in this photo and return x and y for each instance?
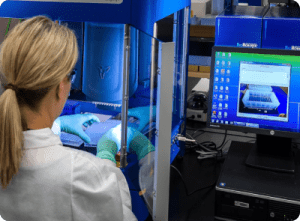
(11, 137)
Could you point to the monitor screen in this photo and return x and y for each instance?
(255, 90)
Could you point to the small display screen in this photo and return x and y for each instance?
(256, 90)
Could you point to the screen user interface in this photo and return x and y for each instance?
(256, 90)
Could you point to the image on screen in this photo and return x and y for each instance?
(264, 91)
(256, 90)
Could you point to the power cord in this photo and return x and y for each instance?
(206, 149)
(202, 201)
(184, 184)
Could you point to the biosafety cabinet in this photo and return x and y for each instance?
(131, 70)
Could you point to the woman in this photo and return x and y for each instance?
(40, 178)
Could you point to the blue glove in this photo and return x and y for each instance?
(142, 113)
(73, 124)
(114, 135)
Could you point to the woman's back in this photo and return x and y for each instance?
(60, 183)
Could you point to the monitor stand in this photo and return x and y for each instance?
(272, 153)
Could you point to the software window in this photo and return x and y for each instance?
(264, 91)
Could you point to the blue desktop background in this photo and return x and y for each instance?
(226, 91)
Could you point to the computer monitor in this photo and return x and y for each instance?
(258, 91)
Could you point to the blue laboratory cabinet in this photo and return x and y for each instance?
(281, 29)
(126, 75)
(240, 26)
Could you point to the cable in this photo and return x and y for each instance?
(199, 135)
(205, 131)
(202, 201)
(185, 187)
(209, 149)
(197, 131)
(223, 144)
(186, 191)
(223, 140)
(212, 186)
(191, 137)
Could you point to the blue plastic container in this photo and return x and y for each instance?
(103, 63)
(240, 26)
(281, 29)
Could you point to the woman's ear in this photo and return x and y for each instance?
(63, 90)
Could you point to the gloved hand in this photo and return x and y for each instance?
(107, 148)
(114, 134)
(140, 145)
(73, 124)
(142, 113)
(110, 143)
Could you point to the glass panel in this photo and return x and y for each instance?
(180, 39)
(97, 88)
(174, 28)
(142, 122)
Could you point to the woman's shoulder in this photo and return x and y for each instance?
(91, 170)
(85, 159)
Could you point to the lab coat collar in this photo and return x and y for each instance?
(40, 138)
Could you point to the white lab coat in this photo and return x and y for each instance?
(59, 183)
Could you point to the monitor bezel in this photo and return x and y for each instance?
(261, 131)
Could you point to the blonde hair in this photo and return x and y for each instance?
(35, 57)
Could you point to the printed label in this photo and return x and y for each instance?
(241, 204)
(296, 48)
(248, 45)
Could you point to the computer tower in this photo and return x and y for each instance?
(246, 193)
